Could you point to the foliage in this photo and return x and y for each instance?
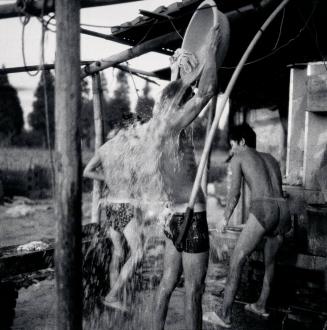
(37, 118)
(118, 106)
(145, 103)
(11, 113)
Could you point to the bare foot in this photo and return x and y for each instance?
(115, 304)
(213, 318)
(252, 308)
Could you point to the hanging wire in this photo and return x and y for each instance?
(136, 90)
(46, 103)
(173, 25)
(280, 30)
(24, 23)
(147, 32)
(315, 40)
(280, 47)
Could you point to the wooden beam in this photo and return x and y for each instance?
(19, 69)
(99, 138)
(125, 68)
(68, 259)
(115, 39)
(129, 53)
(36, 7)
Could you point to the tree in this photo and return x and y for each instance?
(37, 118)
(11, 113)
(119, 104)
(145, 103)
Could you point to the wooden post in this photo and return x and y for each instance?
(68, 166)
(99, 138)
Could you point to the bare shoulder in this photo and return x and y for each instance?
(236, 160)
(269, 158)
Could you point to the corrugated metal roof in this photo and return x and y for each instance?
(144, 28)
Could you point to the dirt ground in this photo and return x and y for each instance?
(36, 305)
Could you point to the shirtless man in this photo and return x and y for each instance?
(123, 221)
(269, 218)
(192, 256)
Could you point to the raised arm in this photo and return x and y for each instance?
(93, 169)
(207, 85)
(235, 191)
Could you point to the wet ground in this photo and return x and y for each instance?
(36, 306)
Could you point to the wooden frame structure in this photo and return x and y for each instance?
(68, 153)
(68, 258)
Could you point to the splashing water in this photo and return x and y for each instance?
(132, 162)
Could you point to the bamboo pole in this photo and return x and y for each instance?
(208, 143)
(212, 109)
(129, 53)
(68, 167)
(226, 95)
(99, 138)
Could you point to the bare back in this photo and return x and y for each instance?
(261, 172)
(179, 168)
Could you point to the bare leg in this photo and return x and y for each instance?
(272, 246)
(117, 255)
(172, 272)
(133, 235)
(195, 269)
(248, 240)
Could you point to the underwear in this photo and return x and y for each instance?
(197, 238)
(273, 214)
(119, 215)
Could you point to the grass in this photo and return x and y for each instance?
(24, 171)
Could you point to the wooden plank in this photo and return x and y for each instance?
(99, 138)
(315, 141)
(296, 120)
(317, 87)
(68, 258)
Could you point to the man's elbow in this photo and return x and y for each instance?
(86, 173)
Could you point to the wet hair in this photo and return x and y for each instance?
(244, 131)
(172, 89)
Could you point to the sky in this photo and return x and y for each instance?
(11, 41)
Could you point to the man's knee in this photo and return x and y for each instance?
(194, 289)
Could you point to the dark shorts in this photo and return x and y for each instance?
(273, 214)
(119, 215)
(197, 238)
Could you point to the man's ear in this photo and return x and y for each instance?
(242, 142)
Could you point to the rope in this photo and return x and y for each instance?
(45, 95)
(44, 25)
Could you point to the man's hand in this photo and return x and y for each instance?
(221, 228)
(182, 59)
